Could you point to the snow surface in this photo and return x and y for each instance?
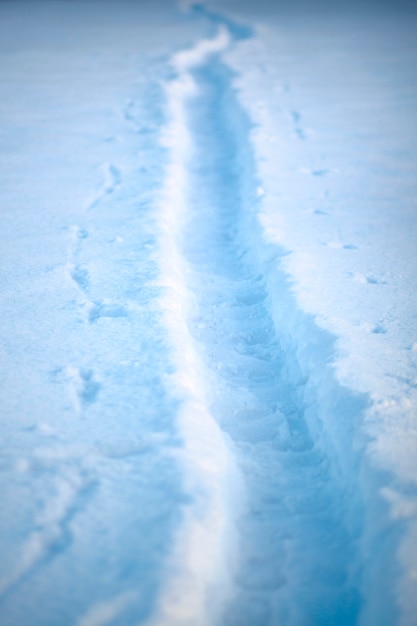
(209, 335)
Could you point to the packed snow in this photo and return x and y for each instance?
(209, 330)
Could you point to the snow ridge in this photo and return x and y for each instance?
(199, 577)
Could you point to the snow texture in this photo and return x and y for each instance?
(209, 338)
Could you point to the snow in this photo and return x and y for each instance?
(204, 547)
(208, 339)
(335, 138)
(90, 486)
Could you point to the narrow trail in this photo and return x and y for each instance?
(296, 554)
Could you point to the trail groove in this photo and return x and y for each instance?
(296, 553)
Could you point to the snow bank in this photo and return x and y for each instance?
(199, 572)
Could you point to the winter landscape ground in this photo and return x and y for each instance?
(209, 313)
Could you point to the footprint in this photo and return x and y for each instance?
(80, 276)
(113, 178)
(104, 309)
(89, 387)
(379, 329)
(250, 297)
(82, 233)
(300, 134)
(321, 172)
(76, 234)
(373, 280)
(77, 272)
(84, 384)
(298, 129)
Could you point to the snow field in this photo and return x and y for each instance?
(90, 488)
(208, 324)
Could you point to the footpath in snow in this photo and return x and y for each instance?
(209, 385)
(319, 539)
(299, 521)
